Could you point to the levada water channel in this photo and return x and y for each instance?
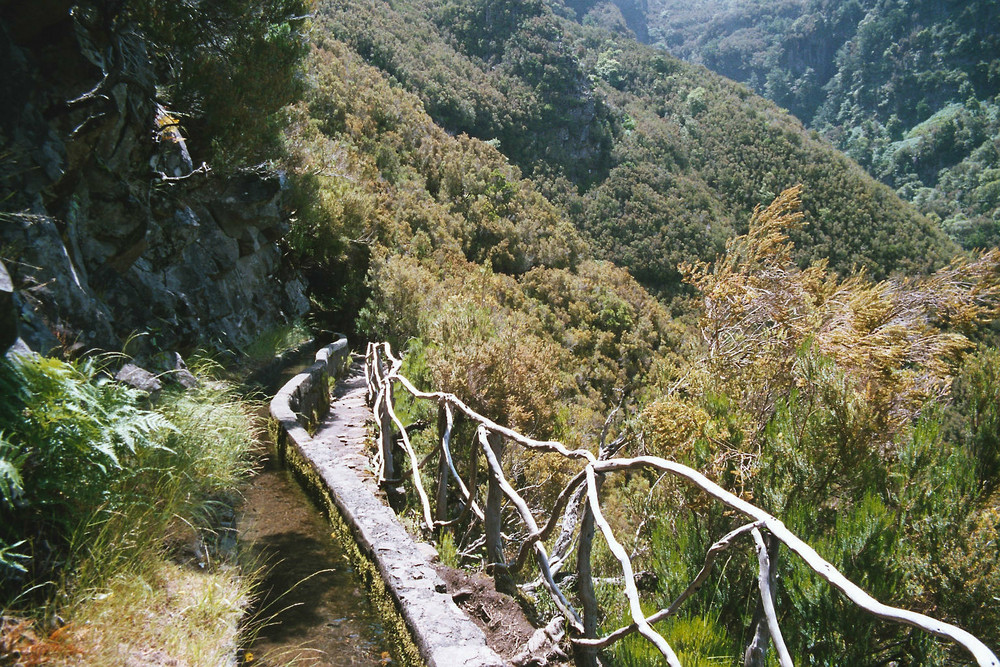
(313, 608)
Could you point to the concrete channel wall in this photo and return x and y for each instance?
(440, 634)
(305, 399)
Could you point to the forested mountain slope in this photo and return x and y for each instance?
(908, 88)
(471, 163)
(493, 154)
(654, 160)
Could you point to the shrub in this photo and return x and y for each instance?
(93, 483)
(229, 66)
(69, 433)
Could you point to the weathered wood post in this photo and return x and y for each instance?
(586, 656)
(473, 476)
(387, 437)
(444, 433)
(370, 390)
(494, 538)
(494, 498)
(583, 655)
(756, 652)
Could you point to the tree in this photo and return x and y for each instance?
(228, 65)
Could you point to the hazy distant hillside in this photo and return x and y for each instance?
(907, 88)
(785, 50)
(655, 160)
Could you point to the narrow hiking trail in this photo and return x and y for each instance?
(342, 433)
(429, 613)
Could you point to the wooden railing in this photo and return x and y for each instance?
(383, 378)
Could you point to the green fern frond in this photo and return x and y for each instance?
(11, 462)
(10, 559)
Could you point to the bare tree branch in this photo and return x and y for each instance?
(540, 555)
(446, 448)
(696, 583)
(630, 588)
(380, 384)
(821, 566)
(764, 582)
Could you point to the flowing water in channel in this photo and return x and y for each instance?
(321, 615)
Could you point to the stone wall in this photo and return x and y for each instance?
(438, 633)
(305, 399)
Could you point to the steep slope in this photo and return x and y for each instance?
(794, 376)
(908, 89)
(654, 160)
(784, 50)
(446, 157)
(437, 243)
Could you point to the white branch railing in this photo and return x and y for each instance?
(382, 377)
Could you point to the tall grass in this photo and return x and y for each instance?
(697, 640)
(114, 513)
(276, 341)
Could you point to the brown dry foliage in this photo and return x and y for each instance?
(22, 644)
(899, 339)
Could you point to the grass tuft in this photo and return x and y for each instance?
(143, 568)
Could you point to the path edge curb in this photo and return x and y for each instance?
(393, 567)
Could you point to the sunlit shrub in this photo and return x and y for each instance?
(94, 482)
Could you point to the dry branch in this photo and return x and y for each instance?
(764, 583)
(540, 554)
(425, 502)
(696, 583)
(569, 523)
(822, 567)
(380, 385)
(631, 591)
(467, 497)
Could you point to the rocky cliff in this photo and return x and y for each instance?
(107, 227)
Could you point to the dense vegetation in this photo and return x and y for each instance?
(99, 494)
(908, 89)
(653, 160)
(477, 233)
(226, 68)
(448, 224)
(828, 402)
(553, 220)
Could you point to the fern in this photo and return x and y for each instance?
(11, 462)
(67, 435)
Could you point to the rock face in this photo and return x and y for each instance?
(106, 227)
(633, 12)
(8, 314)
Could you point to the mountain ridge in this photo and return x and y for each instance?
(909, 89)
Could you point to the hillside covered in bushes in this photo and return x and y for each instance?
(908, 89)
(652, 160)
(552, 220)
(576, 233)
